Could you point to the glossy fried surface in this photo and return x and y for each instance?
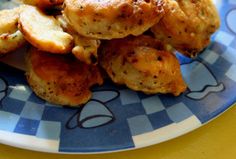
(61, 79)
(187, 25)
(44, 32)
(85, 48)
(141, 64)
(9, 20)
(10, 37)
(108, 19)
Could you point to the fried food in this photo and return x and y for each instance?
(44, 32)
(141, 64)
(10, 37)
(85, 48)
(43, 3)
(187, 25)
(10, 42)
(108, 19)
(9, 20)
(61, 79)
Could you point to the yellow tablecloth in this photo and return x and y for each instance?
(215, 140)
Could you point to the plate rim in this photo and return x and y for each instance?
(28, 146)
(36, 149)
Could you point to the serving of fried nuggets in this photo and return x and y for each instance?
(69, 50)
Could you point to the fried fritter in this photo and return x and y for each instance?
(61, 79)
(108, 19)
(187, 25)
(142, 64)
(9, 20)
(43, 3)
(44, 32)
(85, 48)
(10, 37)
(10, 42)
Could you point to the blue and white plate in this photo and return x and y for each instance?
(117, 118)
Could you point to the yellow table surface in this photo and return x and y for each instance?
(215, 140)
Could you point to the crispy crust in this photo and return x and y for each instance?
(114, 18)
(141, 64)
(10, 42)
(9, 20)
(61, 79)
(188, 25)
(85, 48)
(10, 37)
(44, 32)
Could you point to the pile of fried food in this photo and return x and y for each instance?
(75, 42)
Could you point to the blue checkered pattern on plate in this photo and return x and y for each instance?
(118, 118)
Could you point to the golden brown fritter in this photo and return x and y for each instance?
(85, 48)
(142, 64)
(10, 37)
(108, 19)
(61, 79)
(11, 42)
(9, 20)
(187, 25)
(43, 3)
(44, 32)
